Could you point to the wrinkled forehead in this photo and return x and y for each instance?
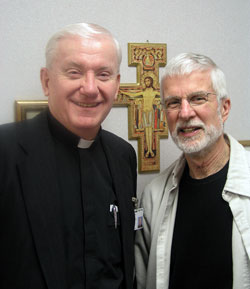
(195, 78)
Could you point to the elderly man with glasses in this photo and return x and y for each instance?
(197, 212)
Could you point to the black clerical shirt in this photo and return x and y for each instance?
(91, 232)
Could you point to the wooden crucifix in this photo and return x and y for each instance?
(146, 118)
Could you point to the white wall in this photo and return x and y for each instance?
(217, 28)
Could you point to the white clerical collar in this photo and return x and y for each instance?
(84, 144)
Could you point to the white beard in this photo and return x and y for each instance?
(197, 144)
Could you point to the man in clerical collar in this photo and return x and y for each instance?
(67, 186)
(197, 212)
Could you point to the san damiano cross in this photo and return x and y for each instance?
(146, 117)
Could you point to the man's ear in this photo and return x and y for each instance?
(118, 77)
(225, 108)
(44, 77)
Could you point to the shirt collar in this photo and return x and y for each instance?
(67, 137)
(84, 144)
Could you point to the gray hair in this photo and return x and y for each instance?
(186, 63)
(84, 30)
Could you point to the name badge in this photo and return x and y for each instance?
(138, 219)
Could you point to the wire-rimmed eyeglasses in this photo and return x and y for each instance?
(194, 99)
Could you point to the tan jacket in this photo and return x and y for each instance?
(159, 200)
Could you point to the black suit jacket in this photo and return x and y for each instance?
(31, 247)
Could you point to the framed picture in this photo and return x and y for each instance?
(245, 143)
(26, 109)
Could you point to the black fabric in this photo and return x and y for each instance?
(103, 254)
(69, 182)
(92, 243)
(201, 255)
(32, 221)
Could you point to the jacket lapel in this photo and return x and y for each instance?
(41, 196)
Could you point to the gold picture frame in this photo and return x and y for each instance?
(245, 143)
(26, 109)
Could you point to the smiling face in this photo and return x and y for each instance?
(82, 83)
(195, 129)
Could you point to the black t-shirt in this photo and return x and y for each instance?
(201, 256)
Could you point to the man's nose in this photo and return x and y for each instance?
(89, 85)
(186, 110)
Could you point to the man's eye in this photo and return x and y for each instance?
(73, 73)
(104, 76)
(198, 99)
(172, 103)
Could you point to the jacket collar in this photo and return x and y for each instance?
(238, 180)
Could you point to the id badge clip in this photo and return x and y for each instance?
(138, 215)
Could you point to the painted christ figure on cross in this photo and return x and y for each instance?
(146, 118)
(149, 94)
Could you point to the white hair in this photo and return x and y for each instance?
(85, 31)
(186, 63)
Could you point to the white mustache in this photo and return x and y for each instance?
(190, 123)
